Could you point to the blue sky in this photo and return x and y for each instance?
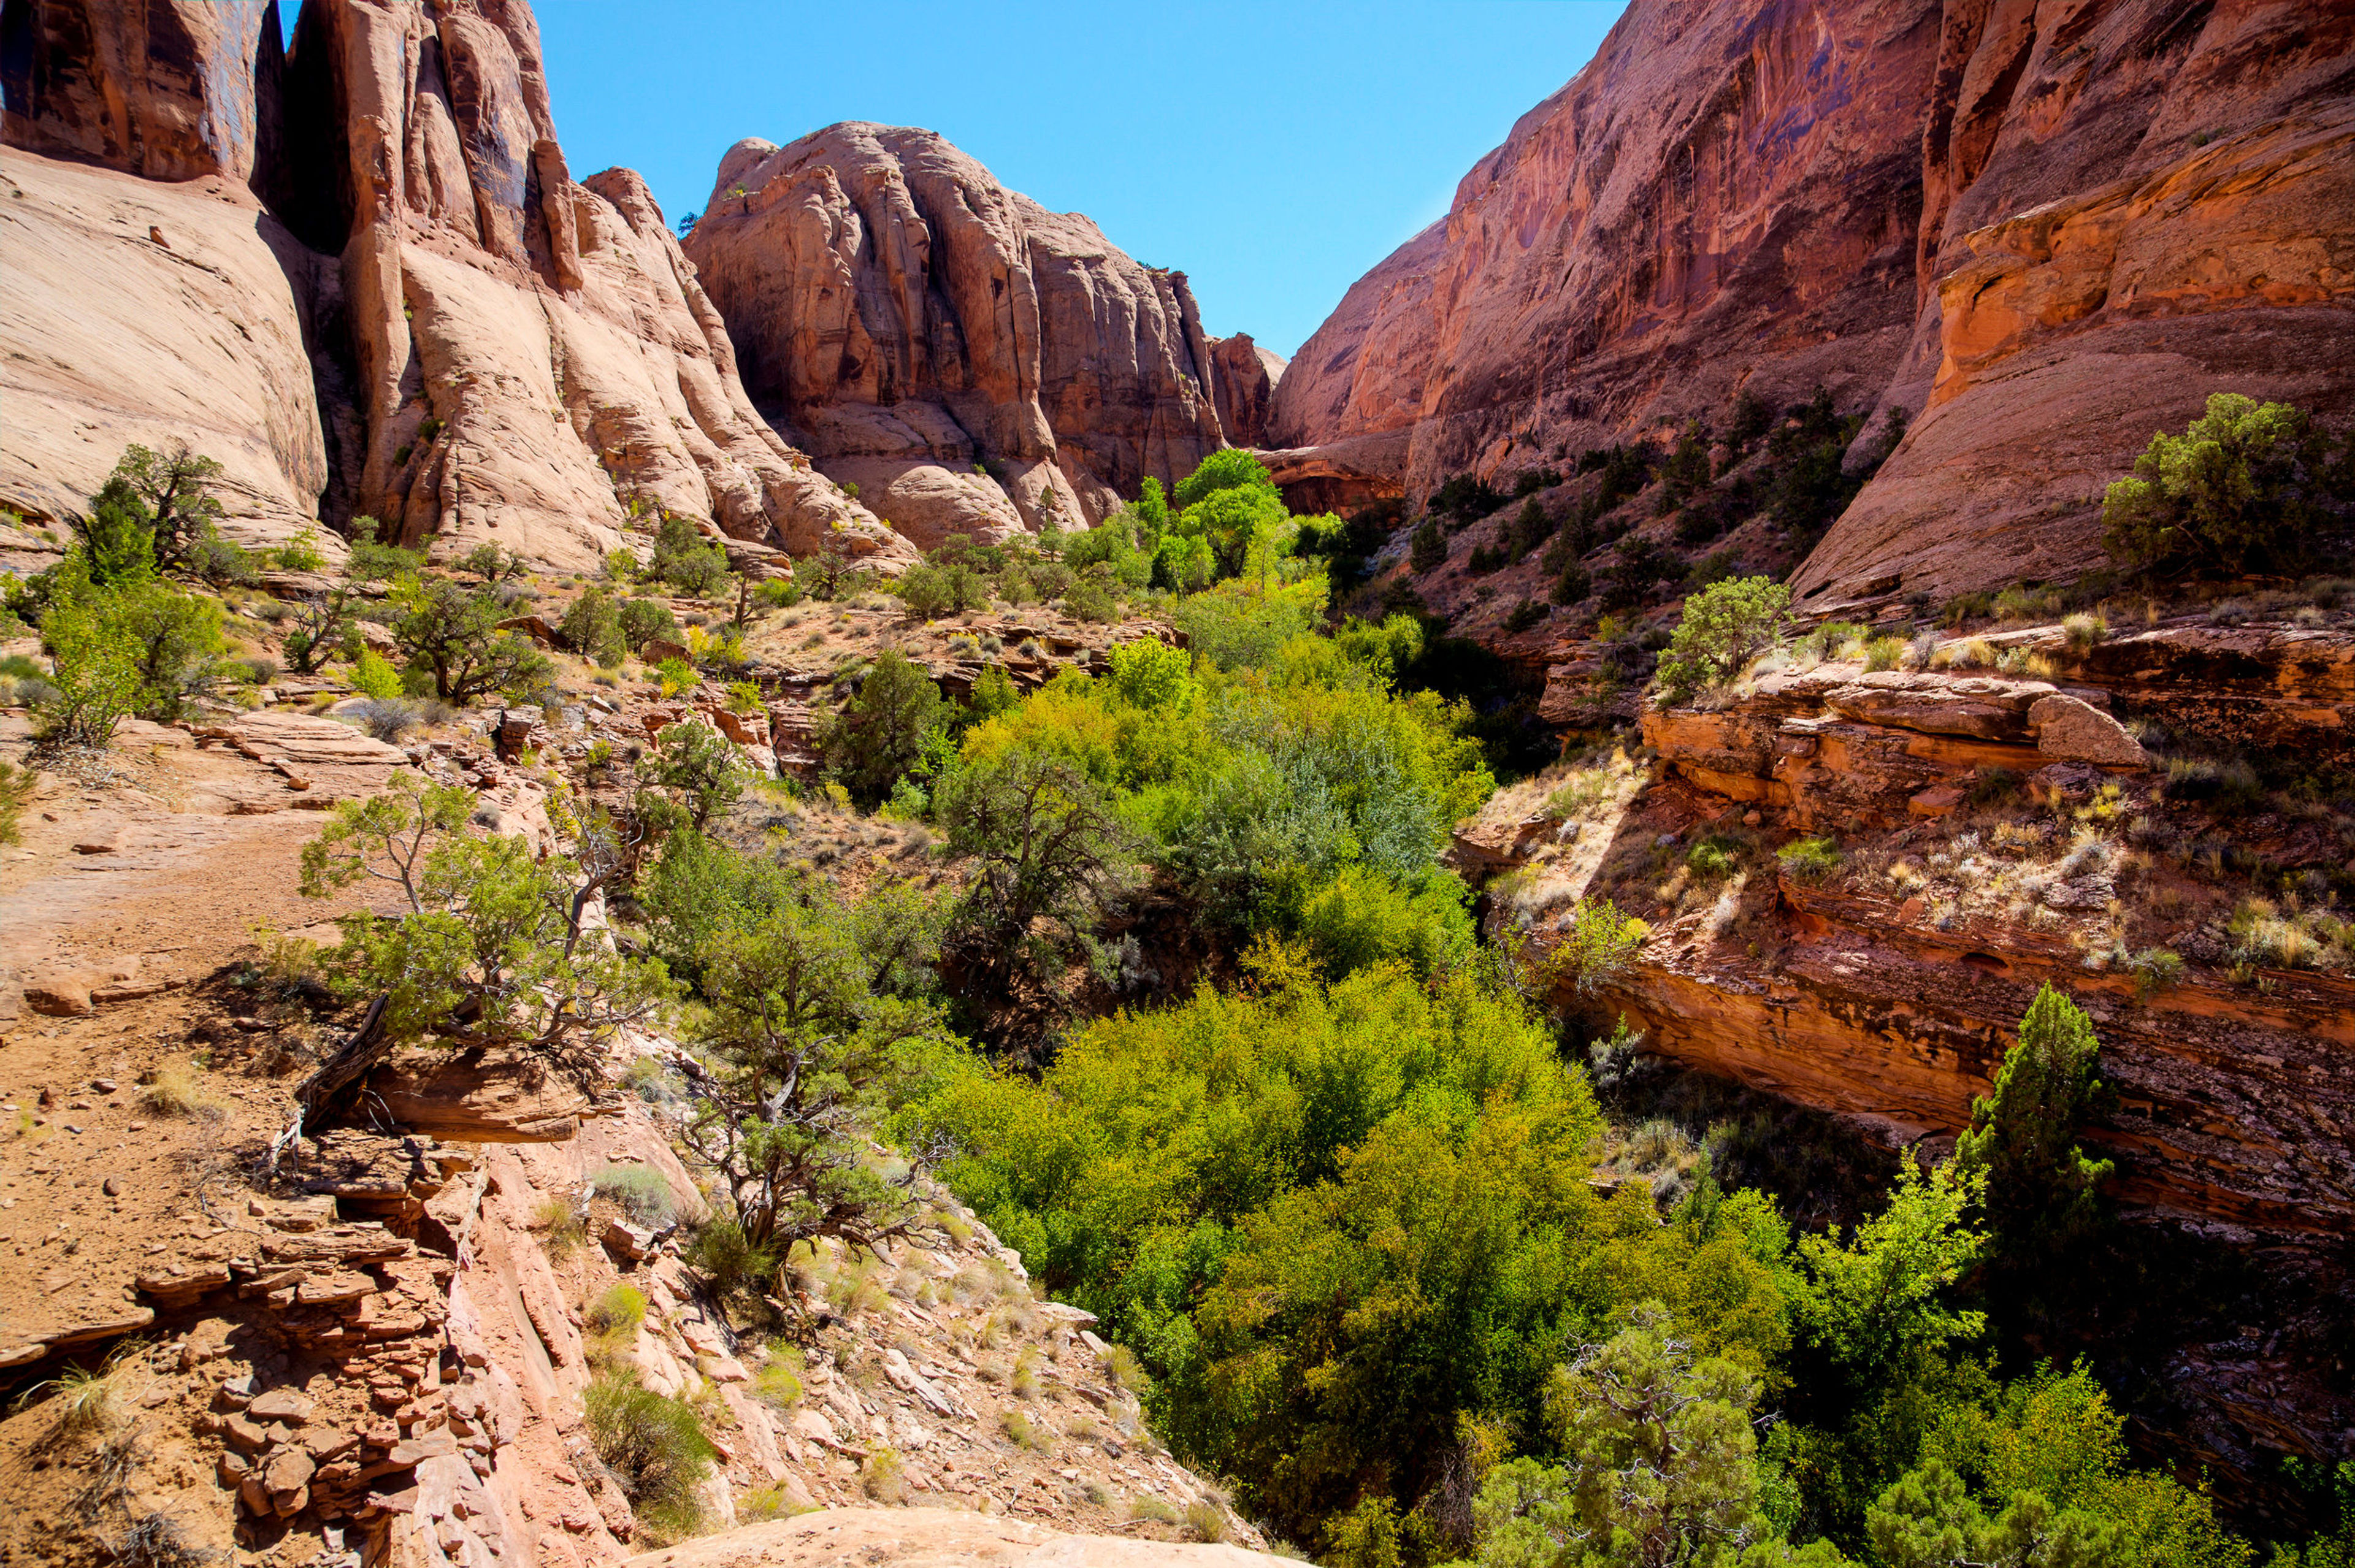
(1272, 153)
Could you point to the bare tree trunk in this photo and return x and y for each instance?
(323, 1096)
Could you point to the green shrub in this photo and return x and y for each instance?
(1726, 625)
(591, 627)
(94, 677)
(369, 561)
(1884, 653)
(453, 637)
(1525, 613)
(1598, 945)
(728, 1260)
(642, 1191)
(777, 593)
(2245, 487)
(619, 1311)
(375, 676)
(654, 1447)
(301, 553)
(1809, 859)
(1714, 860)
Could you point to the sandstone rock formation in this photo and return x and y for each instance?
(2122, 214)
(1724, 199)
(1243, 381)
(434, 324)
(907, 319)
(2043, 231)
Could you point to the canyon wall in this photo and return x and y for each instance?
(973, 362)
(434, 324)
(2043, 229)
(1725, 199)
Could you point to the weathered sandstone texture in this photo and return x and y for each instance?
(1724, 199)
(910, 321)
(2129, 205)
(1244, 379)
(2043, 231)
(382, 292)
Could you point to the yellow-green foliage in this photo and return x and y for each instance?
(619, 1311)
(1259, 786)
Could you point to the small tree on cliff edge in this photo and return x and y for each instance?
(1725, 626)
(2043, 1192)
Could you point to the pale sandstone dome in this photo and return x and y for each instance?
(2044, 231)
(903, 317)
(378, 290)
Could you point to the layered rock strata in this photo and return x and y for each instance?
(971, 361)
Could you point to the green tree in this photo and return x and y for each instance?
(645, 621)
(814, 1020)
(2042, 1192)
(2245, 487)
(453, 634)
(1658, 1463)
(1598, 946)
(1046, 854)
(1726, 625)
(687, 560)
(492, 564)
(879, 738)
(322, 625)
(1879, 1303)
(117, 539)
(496, 946)
(1229, 468)
(174, 490)
(1929, 1519)
(1429, 551)
(593, 627)
(691, 775)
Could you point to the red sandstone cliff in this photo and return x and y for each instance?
(1726, 197)
(2045, 229)
(379, 291)
(907, 317)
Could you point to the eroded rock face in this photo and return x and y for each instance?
(1722, 199)
(147, 311)
(434, 323)
(905, 316)
(2127, 207)
(1244, 383)
(164, 90)
(2043, 231)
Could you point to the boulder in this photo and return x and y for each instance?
(2072, 731)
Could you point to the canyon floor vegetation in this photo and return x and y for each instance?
(1159, 958)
